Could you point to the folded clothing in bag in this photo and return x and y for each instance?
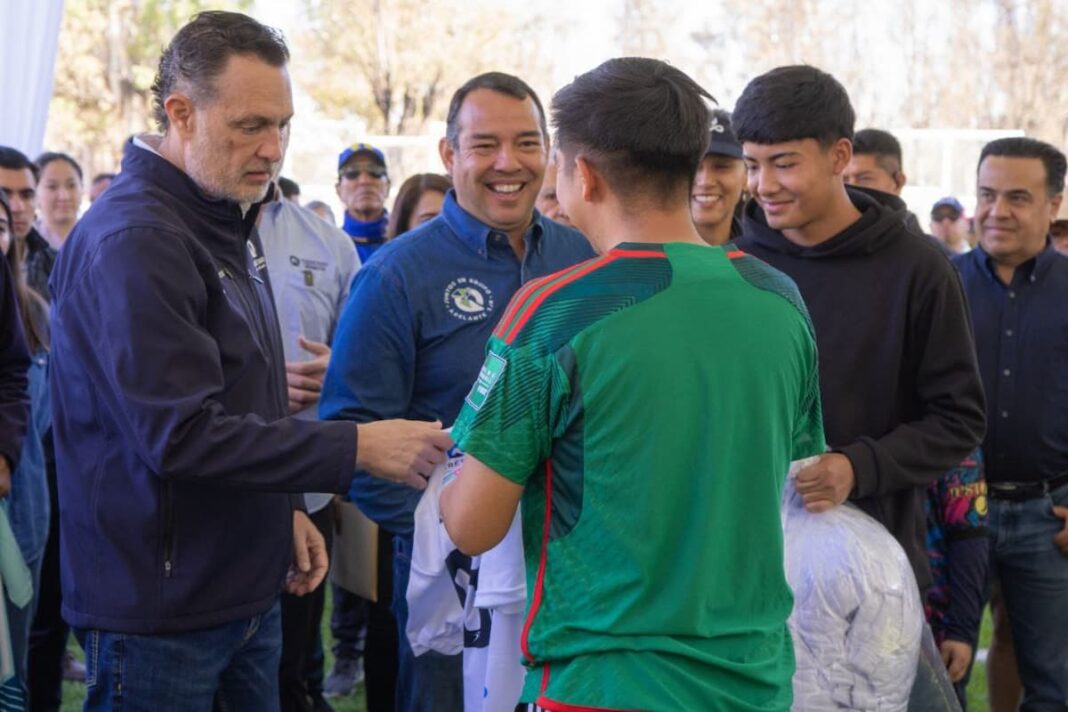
(857, 620)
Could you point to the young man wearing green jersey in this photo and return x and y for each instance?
(644, 405)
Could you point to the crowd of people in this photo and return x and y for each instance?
(629, 336)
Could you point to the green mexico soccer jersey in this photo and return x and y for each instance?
(650, 401)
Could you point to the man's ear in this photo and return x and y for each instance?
(900, 179)
(590, 180)
(181, 114)
(841, 155)
(1055, 206)
(447, 153)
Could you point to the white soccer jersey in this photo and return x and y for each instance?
(470, 604)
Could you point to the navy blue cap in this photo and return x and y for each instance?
(355, 148)
(722, 140)
(948, 202)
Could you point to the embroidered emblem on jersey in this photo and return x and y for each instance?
(487, 379)
(468, 299)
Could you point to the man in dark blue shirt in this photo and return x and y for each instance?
(1017, 287)
(428, 302)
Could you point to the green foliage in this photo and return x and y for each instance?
(108, 52)
(395, 63)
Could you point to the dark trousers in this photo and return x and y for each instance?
(347, 623)
(301, 617)
(49, 633)
(380, 659)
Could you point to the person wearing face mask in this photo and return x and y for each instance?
(718, 184)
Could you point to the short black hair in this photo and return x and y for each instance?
(643, 123)
(102, 177)
(15, 160)
(52, 156)
(200, 50)
(1022, 147)
(791, 104)
(499, 82)
(883, 145)
(288, 186)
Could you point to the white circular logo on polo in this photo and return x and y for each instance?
(468, 299)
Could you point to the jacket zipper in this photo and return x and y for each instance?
(168, 527)
(254, 306)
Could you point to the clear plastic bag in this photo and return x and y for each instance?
(857, 620)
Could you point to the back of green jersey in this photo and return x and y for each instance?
(651, 401)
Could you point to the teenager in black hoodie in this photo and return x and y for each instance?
(902, 398)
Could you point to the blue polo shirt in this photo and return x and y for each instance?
(1021, 336)
(412, 337)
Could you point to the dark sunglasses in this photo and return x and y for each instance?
(375, 172)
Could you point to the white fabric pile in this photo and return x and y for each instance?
(857, 618)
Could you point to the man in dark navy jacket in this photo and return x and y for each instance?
(174, 450)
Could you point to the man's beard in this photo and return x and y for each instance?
(218, 187)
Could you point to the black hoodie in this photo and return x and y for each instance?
(902, 397)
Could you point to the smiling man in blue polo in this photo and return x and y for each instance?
(428, 303)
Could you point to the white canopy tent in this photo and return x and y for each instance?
(29, 37)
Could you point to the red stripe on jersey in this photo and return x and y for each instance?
(539, 583)
(639, 254)
(735, 254)
(517, 301)
(528, 311)
(529, 288)
(545, 703)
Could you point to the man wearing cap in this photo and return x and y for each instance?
(718, 184)
(949, 226)
(362, 186)
(427, 304)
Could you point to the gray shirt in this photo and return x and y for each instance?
(311, 264)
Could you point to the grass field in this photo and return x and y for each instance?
(74, 694)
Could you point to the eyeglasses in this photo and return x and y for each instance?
(375, 172)
(940, 217)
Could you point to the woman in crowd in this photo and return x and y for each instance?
(719, 184)
(419, 200)
(27, 498)
(59, 191)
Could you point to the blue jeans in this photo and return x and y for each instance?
(233, 667)
(432, 681)
(1034, 582)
